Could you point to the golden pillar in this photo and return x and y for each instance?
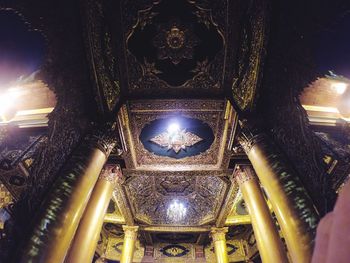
(59, 217)
(130, 236)
(268, 240)
(91, 223)
(219, 240)
(292, 205)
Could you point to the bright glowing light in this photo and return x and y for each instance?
(173, 128)
(320, 108)
(176, 211)
(7, 101)
(340, 87)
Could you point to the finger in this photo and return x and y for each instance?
(338, 249)
(322, 239)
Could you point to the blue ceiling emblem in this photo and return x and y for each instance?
(177, 137)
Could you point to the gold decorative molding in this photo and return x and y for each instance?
(115, 219)
(243, 174)
(121, 200)
(157, 173)
(228, 204)
(111, 173)
(176, 229)
(130, 232)
(5, 196)
(218, 234)
(238, 220)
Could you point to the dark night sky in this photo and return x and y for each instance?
(332, 48)
(22, 51)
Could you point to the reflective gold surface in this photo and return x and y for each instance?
(129, 243)
(298, 240)
(61, 214)
(269, 243)
(219, 240)
(238, 220)
(91, 223)
(115, 219)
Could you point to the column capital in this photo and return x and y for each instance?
(130, 231)
(104, 137)
(111, 173)
(249, 135)
(218, 233)
(243, 174)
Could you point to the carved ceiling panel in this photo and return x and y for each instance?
(202, 140)
(175, 49)
(150, 197)
(175, 237)
(182, 47)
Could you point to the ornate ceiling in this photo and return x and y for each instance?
(151, 196)
(210, 120)
(189, 49)
(176, 151)
(166, 60)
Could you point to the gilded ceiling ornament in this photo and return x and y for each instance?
(176, 43)
(176, 141)
(174, 250)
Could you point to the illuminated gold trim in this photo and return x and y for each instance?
(320, 108)
(176, 229)
(238, 220)
(113, 218)
(34, 111)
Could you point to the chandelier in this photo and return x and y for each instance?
(176, 211)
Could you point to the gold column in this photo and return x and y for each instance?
(292, 205)
(91, 223)
(130, 236)
(63, 208)
(269, 243)
(219, 239)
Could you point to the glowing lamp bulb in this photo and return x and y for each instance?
(173, 128)
(340, 87)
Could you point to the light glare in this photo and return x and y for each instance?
(173, 128)
(7, 101)
(340, 87)
(176, 211)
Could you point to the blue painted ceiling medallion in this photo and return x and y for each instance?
(177, 137)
